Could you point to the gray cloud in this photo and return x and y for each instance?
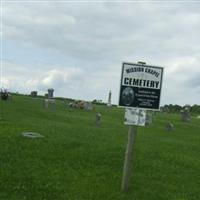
(103, 31)
(99, 36)
(193, 82)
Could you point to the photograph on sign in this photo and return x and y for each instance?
(140, 86)
(134, 117)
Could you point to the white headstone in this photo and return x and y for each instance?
(169, 127)
(50, 103)
(88, 106)
(98, 118)
(185, 114)
(148, 120)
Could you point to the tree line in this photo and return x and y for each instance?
(194, 109)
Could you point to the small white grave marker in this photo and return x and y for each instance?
(98, 118)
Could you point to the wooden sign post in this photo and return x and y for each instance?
(140, 90)
(128, 157)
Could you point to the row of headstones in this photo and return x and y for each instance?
(149, 119)
(47, 95)
(49, 101)
(184, 113)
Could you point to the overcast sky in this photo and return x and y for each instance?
(78, 48)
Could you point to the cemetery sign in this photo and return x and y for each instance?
(140, 86)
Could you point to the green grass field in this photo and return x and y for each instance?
(77, 160)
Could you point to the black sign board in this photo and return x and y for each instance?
(140, 86)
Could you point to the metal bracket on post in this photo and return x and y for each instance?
(128, 158)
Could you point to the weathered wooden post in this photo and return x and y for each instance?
(129, 158)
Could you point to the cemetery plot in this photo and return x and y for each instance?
(79, 160)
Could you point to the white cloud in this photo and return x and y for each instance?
(104, 30)
(97, 37)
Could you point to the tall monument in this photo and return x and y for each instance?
(109, 99)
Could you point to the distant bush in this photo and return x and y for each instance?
(98, 102)
(4, 94)
(194, 109)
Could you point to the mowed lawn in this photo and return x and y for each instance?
(77, 160)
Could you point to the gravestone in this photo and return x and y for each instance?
(88, 106)
(98, 118)
(71, 104)
(49, 103)
(149, 120)
(185, 114)
(34, 94)
(169, 127)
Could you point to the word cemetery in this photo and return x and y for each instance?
(141, 83)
